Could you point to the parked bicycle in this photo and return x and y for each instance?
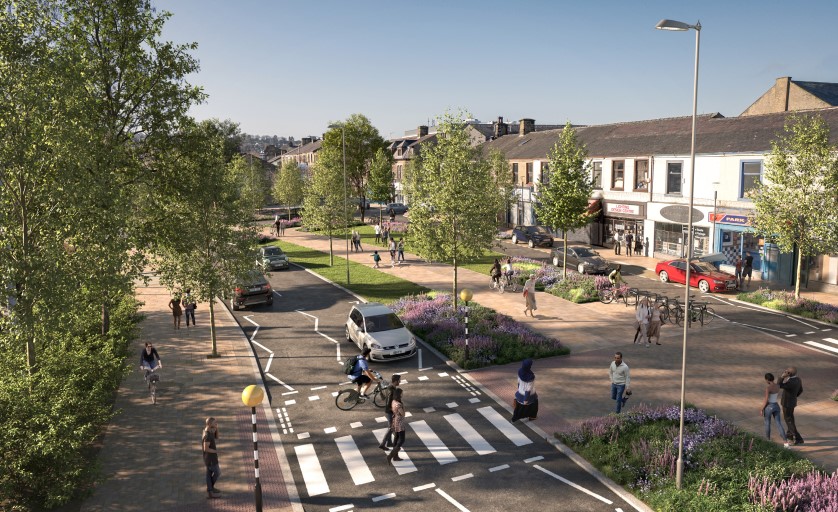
(350, 397)
(610, 294)
(151, 378)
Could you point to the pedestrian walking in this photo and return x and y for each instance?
(642, 314)
(654, 325)
(638, 246)
(629, 240)
(392, 215)
(392, 248)
(529, 296)
(620, 381)
(792, 388)
(770, 408)
(189, 306)
(177, 312)
(398, 425)
(387, 441)
(377, 229)
(526, 399)
(617, 241)
(282, 224)
(400, 248)
(277, 224)
(748, 268)
(385, 234)
(376, 259)
(211, 456)
(739, 283)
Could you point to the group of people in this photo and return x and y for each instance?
(648, 320)
(791, 387)
(632, 243)
(498, 271)
(744, 269)
(396, 254)
(181, 305)
(279, 226)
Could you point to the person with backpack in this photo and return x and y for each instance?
(361, 374)
(376, 258)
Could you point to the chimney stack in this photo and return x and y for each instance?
(500, 128)
(784, 84)
(306, 140)
(423, 130)
(526, 126)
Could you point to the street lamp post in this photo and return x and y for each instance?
(680, 26)
(252, 396)
(466, 295)
(345, 216)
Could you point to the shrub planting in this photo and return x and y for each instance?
(786, 301)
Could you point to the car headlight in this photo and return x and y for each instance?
(376, 346)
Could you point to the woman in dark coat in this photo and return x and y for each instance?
(526, 399)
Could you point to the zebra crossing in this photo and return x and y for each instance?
(425, 437)
(832, 345)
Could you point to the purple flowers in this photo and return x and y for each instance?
(815, 492)
(786, 301)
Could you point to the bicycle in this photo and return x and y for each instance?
(151, 378)
(700, 312)
(610, 294)
(350, 397)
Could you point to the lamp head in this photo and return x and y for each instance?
(676, 25)
(465, 294)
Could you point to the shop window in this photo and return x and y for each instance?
(673, 177)
(751, 176)
(618, 171)
(529, 173)
(596, 174)
(515, 173)
(641, 174)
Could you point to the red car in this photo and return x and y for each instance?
(703, 275)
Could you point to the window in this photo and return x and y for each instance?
(596, 174)
(751, 177)
(515, 173)
(545, 173)
(398, 172)
(529, 173)
(673, 177)
(641, 174)
(618, 171)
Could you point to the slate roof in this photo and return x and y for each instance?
(311, 147)
(669, 136)
(825, 91)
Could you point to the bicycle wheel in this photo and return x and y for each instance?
(708, 314)
(154, 393)
(501, 286)
(679, 317)
(347, 399)
(606, 296)
(664, 311)
(380, 397)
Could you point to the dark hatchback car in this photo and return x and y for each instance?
(272, 258)
(532, 235)
(253, 288)
(580, 258)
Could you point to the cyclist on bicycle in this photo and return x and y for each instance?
(361, 374)
(616, 277)
(495, 273)
(507, 270)
(149, 358)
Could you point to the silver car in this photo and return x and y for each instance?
(375, 326)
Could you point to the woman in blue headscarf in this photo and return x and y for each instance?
(526, 399)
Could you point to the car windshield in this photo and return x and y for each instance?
(538, 229)
(704, 267)
(584, 252)
(253, 278)
(388, 322)
(273, 251)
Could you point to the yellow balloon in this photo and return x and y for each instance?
(252, 395)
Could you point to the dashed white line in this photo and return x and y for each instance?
(303, 435)
(499, 468)
(423, 377)
(330, 430)
(443, 374)
(429, 409)
(290, 402)
(381, 419)
(533, 459)
(451, 405)
(384, 497)
(357, 424)
(462, 477)
(313, 398)
(423, 487)
(342, 507)
(452, 501)
(290, 393)
(318, 387)
(474, 400)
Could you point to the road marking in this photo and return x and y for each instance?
(451, 405)
(303, 435)
(330, 430)
(423, 487)
(575, 486)
(499, 468)
(354, 461)
(313, 398)
(403, 466)
(472, 437)
(318, 387)
(313, 475)
(408, 414)
(790, 335)
(270, 360)
(826, 329)
(821, 346)
(462, 477)
(290, 393)
(443, 374)
(357, 424)
(381, 419)
(760, 327)
(342, 507)
(429, 409)
(512, 433)
(401, 373)
(426, 369)
(290, 402)
(434, 444)
(384, 497)
(533, 459)
(831, 340)
(424, 377)
(474, 400)
(452, 500)
(810, 332)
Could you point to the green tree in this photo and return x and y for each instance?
(502, 176)
(253, 179)
(380, 182)
(453, 201)
(563, 199)
(289, 185)
(795, 205)
(324, 208)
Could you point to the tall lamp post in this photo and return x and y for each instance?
(345, 216)
(466, 295)
(680, 26)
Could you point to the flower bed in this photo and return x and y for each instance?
(785, 301)
(494, 338)
(724, 468)
(576, 287)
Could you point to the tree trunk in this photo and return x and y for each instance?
(564, 250)
(331, 252)
(212, 327)
(454, 288)
(106, 320)
(797, 276)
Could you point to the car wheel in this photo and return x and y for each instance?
(704, 286)
(664, 276)
(581, 268)
(270, 302)
(515, 239)
(555, 261)
(234, 305)
(530, 244)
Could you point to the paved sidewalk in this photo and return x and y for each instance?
(724, 373)
(151, 454)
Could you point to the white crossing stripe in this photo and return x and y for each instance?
(310, 468)
(423, 377)
(499, 468)
(443, 374)
(462, 477)
(512, 433)
(472, 437)
(341, 508)
(451, 405)
(831, 340)
(330, 430)
(429, 409)
(358, 469)
(402, 466)
(290, 402)
(822, 346)
(356, 424)
(434, 444)
(474, 400)
(303, 435)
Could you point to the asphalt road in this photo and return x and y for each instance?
(461, 451)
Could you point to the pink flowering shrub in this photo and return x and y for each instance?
(812, 492)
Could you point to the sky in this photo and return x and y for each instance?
(285, 68)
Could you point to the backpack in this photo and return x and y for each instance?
(349, 365)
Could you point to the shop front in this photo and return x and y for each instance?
(621, 217)
(670, 225)
(734, 238)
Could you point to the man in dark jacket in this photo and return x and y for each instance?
(792, 388)
(388, 412)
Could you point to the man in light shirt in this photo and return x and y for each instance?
(620, 381)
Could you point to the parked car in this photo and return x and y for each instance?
(252, 288)
(584, 259)
(703, 275)
(374, 325)
(272, 257)
(532, 235)
(398, 208)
